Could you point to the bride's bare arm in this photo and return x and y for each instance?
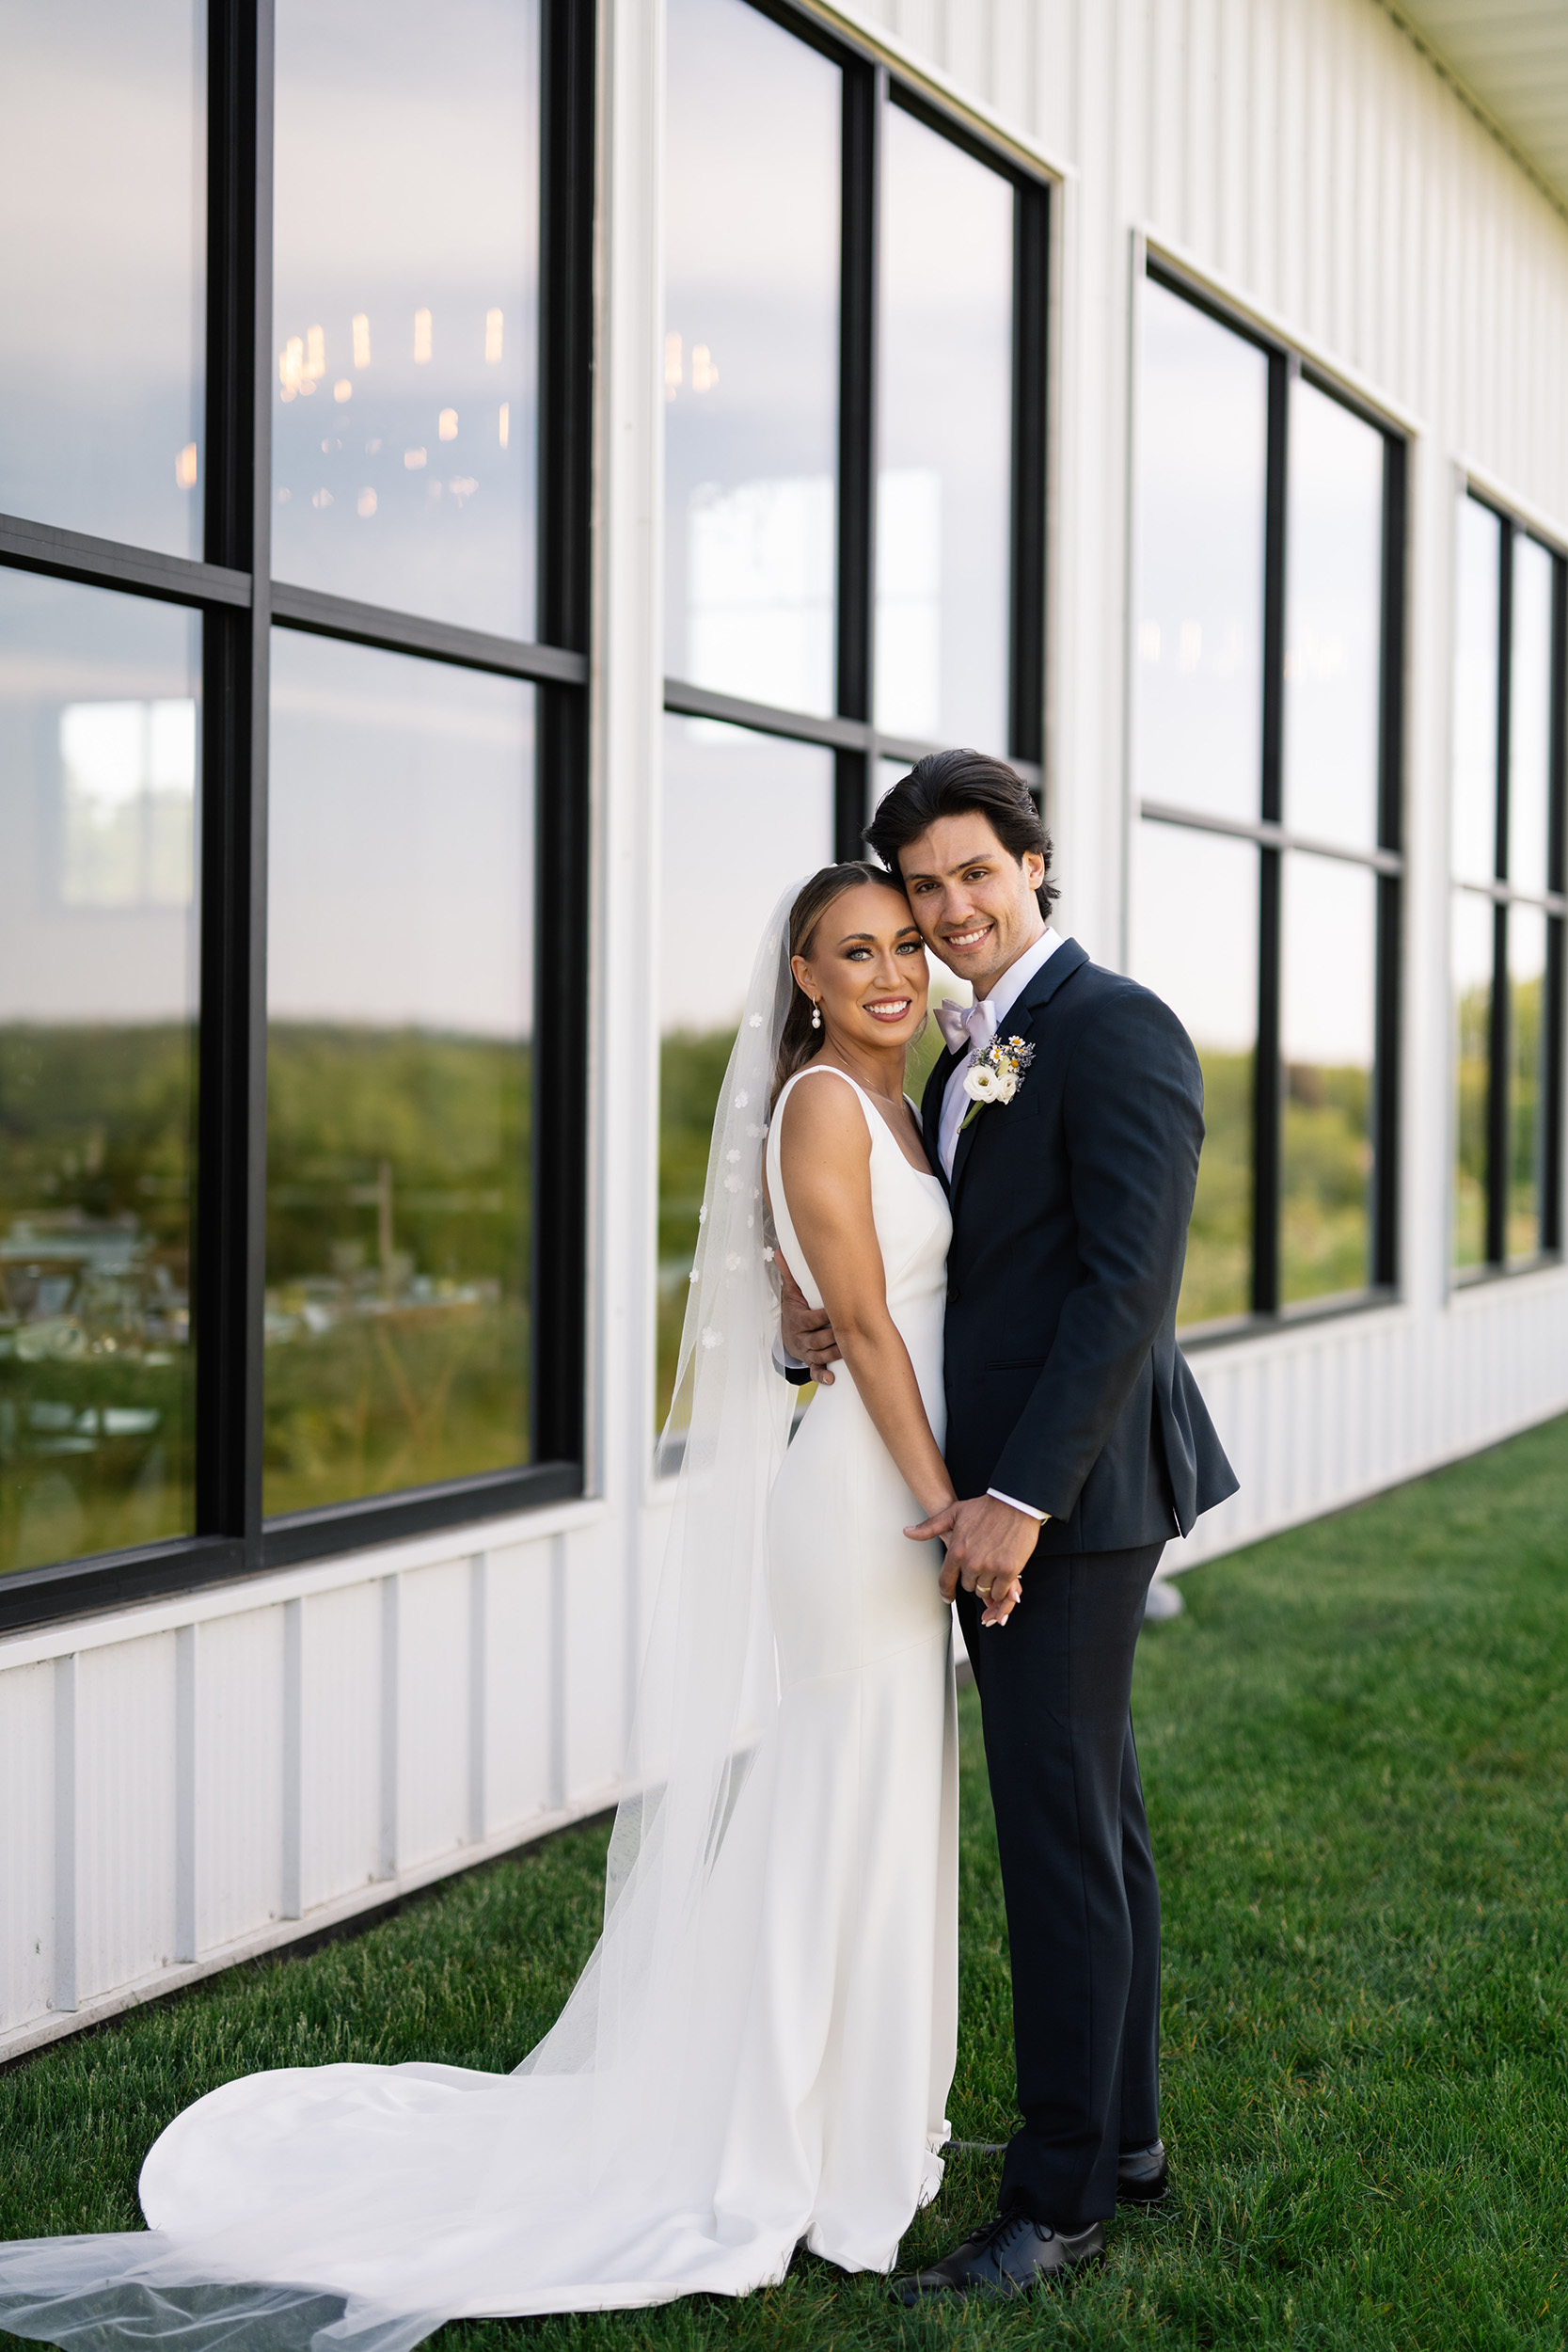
(825, 1149)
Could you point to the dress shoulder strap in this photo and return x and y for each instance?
(831, 1070)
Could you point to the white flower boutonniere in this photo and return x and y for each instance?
(995, 1075)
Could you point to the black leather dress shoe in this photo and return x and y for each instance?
(1010, 2256)
(1143, 2175)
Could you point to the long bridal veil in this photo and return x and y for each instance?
(359, 2207)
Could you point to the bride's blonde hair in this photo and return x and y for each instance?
(797, 1040)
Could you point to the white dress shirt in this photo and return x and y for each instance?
(956, 1103)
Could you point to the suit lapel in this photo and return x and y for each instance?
(1018, 1022)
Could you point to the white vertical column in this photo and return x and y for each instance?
(559, 1697)
(184, 1791)
(629, 556)
(65, 1833)
(293, 1759)
(479, 1571)
(391, 1587)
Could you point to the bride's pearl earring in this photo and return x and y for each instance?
(816, 1016)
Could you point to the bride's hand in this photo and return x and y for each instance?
(1002, 1597)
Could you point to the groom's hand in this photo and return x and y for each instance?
(806, 1330)
(988, 1544)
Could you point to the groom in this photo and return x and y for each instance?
(1077, 1436)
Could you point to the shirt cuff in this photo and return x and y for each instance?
(1028, 1509)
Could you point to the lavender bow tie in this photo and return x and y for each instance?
(968, 1031)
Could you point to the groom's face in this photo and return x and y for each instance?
(973, 900)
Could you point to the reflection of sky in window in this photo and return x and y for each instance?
(400, 842)
(744, 815)
(1195, 931)
(102, 189)
(1327, 963)
(99, 730)
(943, 491)
(405, 367)
(1333, 620)
(128, 771)
(1529, 715)
(1202, 428)
(1477, 555)
(750, 355)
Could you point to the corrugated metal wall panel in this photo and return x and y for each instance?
(239, 1768)
(433, 1711)
(520, 1746)
(342, 1758)
(126, 1916)
(27, 1844)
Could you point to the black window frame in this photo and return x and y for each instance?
(1274, 839)
(1504, 894)
(240, 602)
(851, 733)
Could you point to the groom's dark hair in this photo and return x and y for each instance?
(951, 783)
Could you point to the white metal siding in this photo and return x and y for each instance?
(187, 1781)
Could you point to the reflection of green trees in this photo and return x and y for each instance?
(1475, 1029)
(1474, 1011)
(1218, 1278)
(1325, 1216)
(95, 1360)
(1523, 1119)
(1325, 1205)
(691, 1073)
(398, 1238)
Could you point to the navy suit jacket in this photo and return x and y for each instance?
(1064, 1384)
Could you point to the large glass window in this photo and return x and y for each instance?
(406, 273)
(398, 1105)
(750, 356)
(744, 816)
(943, 476)
(99, 727)
(102, 188)
(854, 409)
(1506, 929)
(1266, 870)
(294, 837)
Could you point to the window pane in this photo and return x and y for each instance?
(102, 171)
(750, 356)
(1202, 440)
(1471, 953)
(1195, 942)
(405, 284)
(1326, 1041)
(1526, 966)
(1333, 621)
(1530, 717)
(744, 816)
(1479, 557)
(401, 1019)
(943, 489)
(99, 733)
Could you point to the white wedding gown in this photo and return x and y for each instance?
(786, 2081)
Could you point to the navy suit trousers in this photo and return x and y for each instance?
(1082, 1901)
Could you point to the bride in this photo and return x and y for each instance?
(760, 2049)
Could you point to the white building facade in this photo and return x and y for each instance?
(570, 480)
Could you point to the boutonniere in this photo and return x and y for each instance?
(995, 1075)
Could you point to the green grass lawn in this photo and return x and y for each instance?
(1355, 1749)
